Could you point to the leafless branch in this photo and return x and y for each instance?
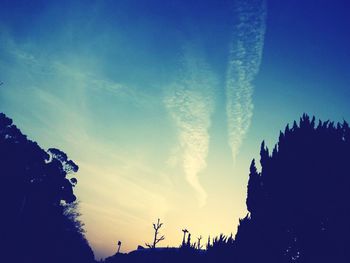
(156, 240)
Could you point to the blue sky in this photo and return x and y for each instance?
(163, 104)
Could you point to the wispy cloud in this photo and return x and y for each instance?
(70, 70)
(96, 82)
(244, 62)
(190, 103)
(54, 92)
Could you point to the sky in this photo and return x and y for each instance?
(163, 104)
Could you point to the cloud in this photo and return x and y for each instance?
(244, 62)
(37, 69)
(115, 184)
(97, 82)
(190, 103)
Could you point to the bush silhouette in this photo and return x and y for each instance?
(299, 202)
(39, 220)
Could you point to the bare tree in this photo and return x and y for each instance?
(185, 231)
(199, 242)
(156, 240)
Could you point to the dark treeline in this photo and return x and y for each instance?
(299, 209)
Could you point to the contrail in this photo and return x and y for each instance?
(190, 103)
(244, 62)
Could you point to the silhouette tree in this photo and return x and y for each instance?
(40, 217)
(185, 231)
(156, 240)
(299, 202)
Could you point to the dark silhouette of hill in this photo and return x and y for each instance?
(171, 255)
(39, 218)
(217, 249)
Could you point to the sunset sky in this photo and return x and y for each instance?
(163, 104)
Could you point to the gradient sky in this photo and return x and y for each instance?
(163, 104)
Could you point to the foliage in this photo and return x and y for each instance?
(39, 215)
(299, 202)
